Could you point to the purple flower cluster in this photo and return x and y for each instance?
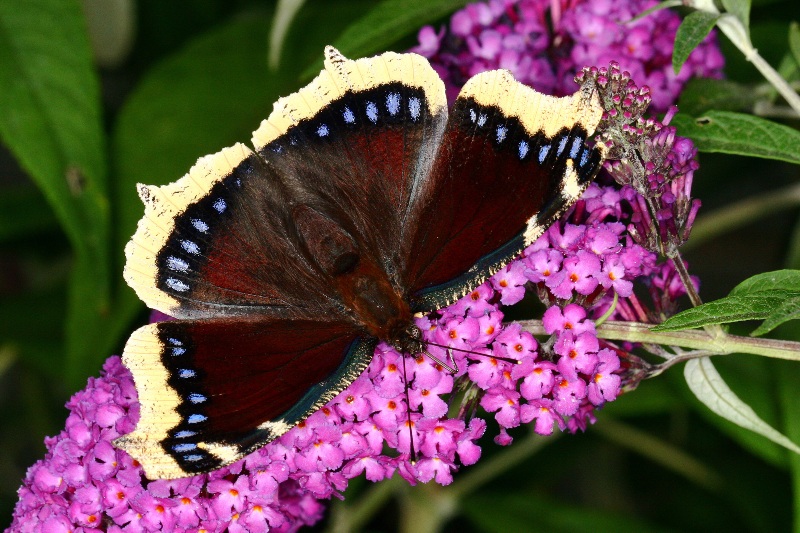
(85, 484)
(543, 43)
(659, 179)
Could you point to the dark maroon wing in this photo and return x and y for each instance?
(511, 161)
(219, 242)
(357, 142)
(212, 391)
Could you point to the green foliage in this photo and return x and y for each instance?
(794, 41)
(50, 120)
(701, 95)
(739, 9)
(772, 296)
(691, 33)
(741, 134)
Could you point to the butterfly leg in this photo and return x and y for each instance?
(451, 369)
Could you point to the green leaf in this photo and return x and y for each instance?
(794, 41)
(739, 9)
(788, 310)
(740, 134)
(385, 24)
(709, 387)
(753, 379)
(50, 120)
(694, 28)
(786, 280)
(50, 110)
(770, 295)
(701, 95)
(725, 310)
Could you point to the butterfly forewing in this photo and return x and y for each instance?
(510, 162)
(360, 141)
(217, 243)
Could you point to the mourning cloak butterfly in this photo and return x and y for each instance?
(363, 203)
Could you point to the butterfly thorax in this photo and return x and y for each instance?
(363, 286)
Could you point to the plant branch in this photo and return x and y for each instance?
(713, 330)
(734, 30)
(691, 339)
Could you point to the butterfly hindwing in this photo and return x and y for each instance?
(213, 390)
(511, 161)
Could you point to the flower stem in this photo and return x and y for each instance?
(686, 279)
(713, 330)
(733, 28)
(692, 339)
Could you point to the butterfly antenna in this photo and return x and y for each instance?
(450, 348)
(413, 454)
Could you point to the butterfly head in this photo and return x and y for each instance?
(409, 341)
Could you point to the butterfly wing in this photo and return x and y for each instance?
(361, 139)
(247, 248)
(213, 390)
(218, 242)
(511, 161)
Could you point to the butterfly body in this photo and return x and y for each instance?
(364, 203)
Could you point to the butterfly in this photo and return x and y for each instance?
(363, 204)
